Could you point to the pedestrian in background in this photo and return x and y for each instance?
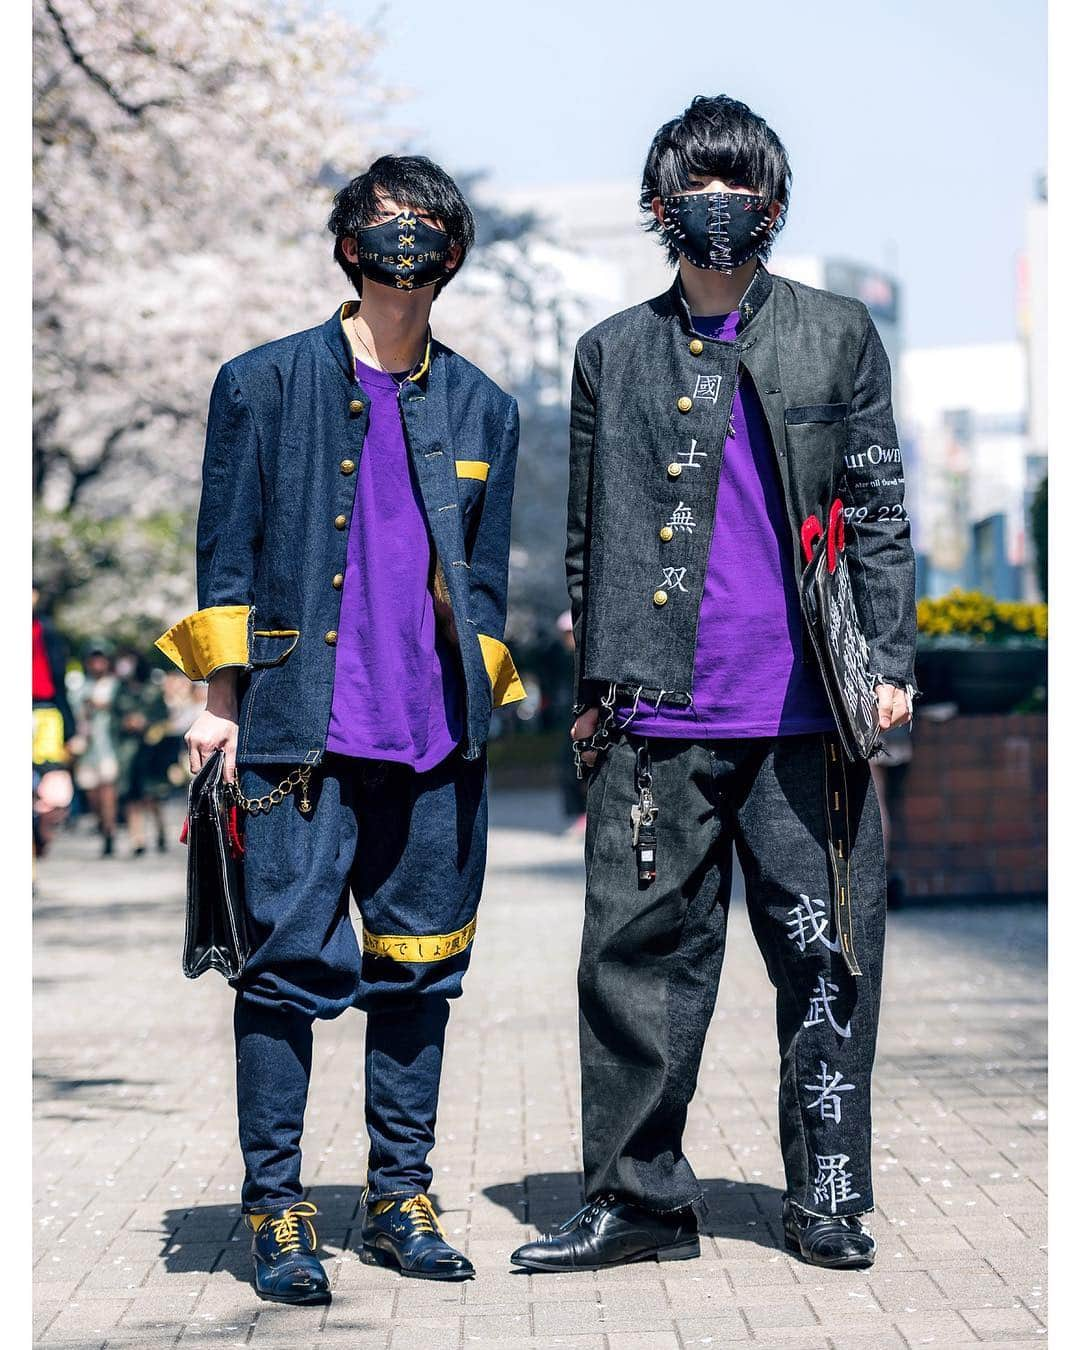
(98, 768)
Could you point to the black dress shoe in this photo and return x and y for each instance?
(839, 1243)
(283, 1248)
(609, 1232)
(403, 1232)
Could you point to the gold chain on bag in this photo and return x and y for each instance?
(299, 777)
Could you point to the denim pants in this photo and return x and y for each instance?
(410, 849)
(804, 823)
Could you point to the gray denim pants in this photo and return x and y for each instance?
(807, 829)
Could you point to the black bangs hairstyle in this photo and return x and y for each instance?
(720, 138)
(416, 182)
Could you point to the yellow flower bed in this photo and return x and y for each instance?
(974, 614)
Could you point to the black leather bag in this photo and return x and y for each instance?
(829, 609)
(216, 936)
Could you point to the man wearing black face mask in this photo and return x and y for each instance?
(709, 429)
(353, 543)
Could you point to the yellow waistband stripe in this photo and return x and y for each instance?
(434, 947)
(473, 468)
(506, 686)
(207, 639)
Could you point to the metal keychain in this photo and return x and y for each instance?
(643, 815)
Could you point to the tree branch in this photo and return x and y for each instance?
(95, 76)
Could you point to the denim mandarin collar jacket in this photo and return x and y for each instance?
(650, 407)
(285, 432)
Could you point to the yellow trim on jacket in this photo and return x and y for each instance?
(506, 686)
(473, 468)
(349, 308)
(207, 640)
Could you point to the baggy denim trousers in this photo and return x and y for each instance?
(410, 848)
(652, 954)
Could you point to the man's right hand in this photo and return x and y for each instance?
(216, 727)
(583, 728)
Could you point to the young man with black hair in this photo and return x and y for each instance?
(707, 425)
(352, 554)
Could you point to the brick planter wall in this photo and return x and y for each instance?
(969, 818)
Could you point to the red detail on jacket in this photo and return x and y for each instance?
(43, 686)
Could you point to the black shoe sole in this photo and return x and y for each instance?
(680, 1251)
(375, 1256)
(837, 1263)
(310, 1301)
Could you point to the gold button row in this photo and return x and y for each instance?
(340, 522)
(356, 406)
(666, 533)
(659, 598)
(331, 637)
(696, 346)
(685, 404)
(348, 466)
(674, 469)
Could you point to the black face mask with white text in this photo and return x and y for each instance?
(717, 230)
(403, 252)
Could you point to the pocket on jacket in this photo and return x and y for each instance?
(271, 646)
(816, 412)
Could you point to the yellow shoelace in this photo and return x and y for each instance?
(422, 1214)
(287, 1226)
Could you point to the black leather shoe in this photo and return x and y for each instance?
(403, 1232)
(608, 1232)
(286, 1267)
(839, 1243)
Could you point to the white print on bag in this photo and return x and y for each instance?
(682, 519)
(832, 1185)
(874, 454)
(828, 1092)
(809, 921)
(692, 456)
(708, 386)
(820, 1009)
(673, 578)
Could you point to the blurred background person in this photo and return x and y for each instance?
(141, 724)
(98, 769)
(54, 726)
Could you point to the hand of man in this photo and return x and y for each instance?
(892, 706)
(216, 726)
(582, 729)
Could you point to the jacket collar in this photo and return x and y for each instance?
(753, 299)
(337, 339)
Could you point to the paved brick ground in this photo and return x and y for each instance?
(137, 1171)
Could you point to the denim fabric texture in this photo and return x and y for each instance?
(410, 849)
(648, 421)
(651, 957)
(283, 419)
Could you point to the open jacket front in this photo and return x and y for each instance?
(285, 433)
(649, 417)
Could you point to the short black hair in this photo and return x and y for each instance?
(416, 182)
(719, 137)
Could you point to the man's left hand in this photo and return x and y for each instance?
(892, 706)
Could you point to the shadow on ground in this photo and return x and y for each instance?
(747, 1211)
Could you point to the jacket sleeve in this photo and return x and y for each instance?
(228, 540)
(880, 556)
(490, 564)
(583, 393)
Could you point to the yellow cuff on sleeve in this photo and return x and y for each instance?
(208, 639)
(506, 686)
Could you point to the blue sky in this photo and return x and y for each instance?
(915, 129)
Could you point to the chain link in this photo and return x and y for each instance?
(299, 777)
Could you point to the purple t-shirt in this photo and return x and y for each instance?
(396, 682)
(750, 678)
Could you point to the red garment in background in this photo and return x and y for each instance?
(42, 680)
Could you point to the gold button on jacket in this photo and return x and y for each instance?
(348, 465)
(331, 637)
(659, 597)
(338, 581)
(356, 406)
(685, 404)
(666, 533)
(341, 521)
(696, 346)
(674, 470)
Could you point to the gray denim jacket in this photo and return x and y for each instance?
(650, 405)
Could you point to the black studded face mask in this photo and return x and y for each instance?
(716, 230)
(403, 252)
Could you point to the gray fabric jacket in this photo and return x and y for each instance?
(650, 407)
